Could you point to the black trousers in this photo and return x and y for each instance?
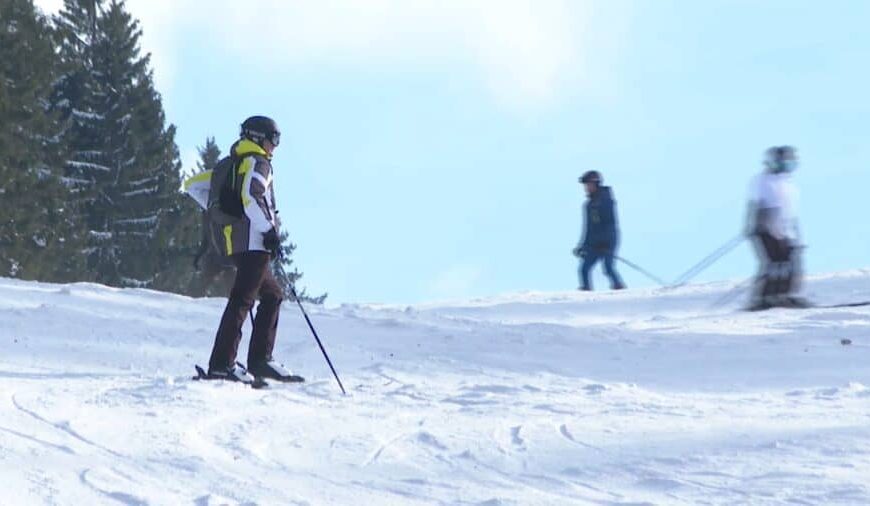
(780, 271)
(253, 280)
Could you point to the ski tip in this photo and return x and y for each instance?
(200, 373)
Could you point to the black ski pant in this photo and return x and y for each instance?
(253, 279)
(589, 261)
(780, 266)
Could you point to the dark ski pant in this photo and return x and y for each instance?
(589, 262)
(780, 271)
(253, 279)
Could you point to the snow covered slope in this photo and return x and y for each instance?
(637, 397)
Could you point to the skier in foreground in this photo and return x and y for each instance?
(241, 204)
(601, 235)
(773, 224)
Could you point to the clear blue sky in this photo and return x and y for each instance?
(431, 150)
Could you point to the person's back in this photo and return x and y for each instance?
(242, 207)
(215, 270)
(601, 232)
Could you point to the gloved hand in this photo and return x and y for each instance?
(272, 243)
(579, 252)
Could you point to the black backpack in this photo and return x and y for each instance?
(224, 202)
(224, 198)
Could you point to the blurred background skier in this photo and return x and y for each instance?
(773, 225)
(601, 232)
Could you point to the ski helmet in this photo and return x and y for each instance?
(591, 176)
(780, 159)
(259, 129)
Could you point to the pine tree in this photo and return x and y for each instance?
(209, 155)
(145, 192)
(123, 160)
(81, 101)
(38, 237)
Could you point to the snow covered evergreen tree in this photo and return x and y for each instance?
(123, 159)
(122, 162)
(38, 236)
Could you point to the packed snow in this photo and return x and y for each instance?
(649, 396)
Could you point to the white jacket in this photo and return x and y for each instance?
(777, 194)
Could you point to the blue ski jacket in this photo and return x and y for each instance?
(601, 227)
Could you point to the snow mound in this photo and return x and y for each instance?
(634, 397)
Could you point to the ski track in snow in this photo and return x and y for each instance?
(629, 398)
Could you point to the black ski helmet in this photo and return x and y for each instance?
(591, 176)
(259, 129)
(780, 159)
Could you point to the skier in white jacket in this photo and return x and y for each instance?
(773, 224)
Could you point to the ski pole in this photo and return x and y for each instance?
(314, 332)
(310, 326)
(642, 271)
(708, 261)
(737, 290)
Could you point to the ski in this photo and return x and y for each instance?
(255, 383)
(292, 378)
(845, 304)
(274, 371)
(764, 307)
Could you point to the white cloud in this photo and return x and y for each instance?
(526, 52)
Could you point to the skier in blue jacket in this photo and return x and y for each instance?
(601, 236)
